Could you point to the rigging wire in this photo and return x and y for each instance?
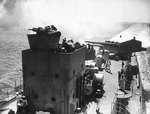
(23, 22)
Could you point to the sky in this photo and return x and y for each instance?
(75, 18)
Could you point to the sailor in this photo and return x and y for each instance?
(64, 43)
(78, 111)
(103, 52)
(109, 63)
(22, 104)
(21, 92)
(98, 61)
(99, 93)
(107, 67)
(122, 64)
(92, 52)
(53, 27)
(47, 29)
(19, 103)
(68, 45)
(98, 111)
(11, 111)
(40, 30)
(25, 103)
(100, 86)
(106, 63)
(77, 45)
(18, 96)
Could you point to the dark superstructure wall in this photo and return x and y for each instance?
(50, 78)
(50, 74)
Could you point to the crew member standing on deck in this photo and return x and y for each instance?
(108, 64)
(122, 64)
(99, 62)
(11, 111)
(98, 111)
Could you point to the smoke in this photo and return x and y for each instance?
(9, 5)
(80, 19)
(9, 16)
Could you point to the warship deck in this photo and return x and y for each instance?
(105, 104)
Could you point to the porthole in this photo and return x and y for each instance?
(56, 76)
(74, 72)
(32, 73)
(81, 66)
(73, 96)
(35, 96)
(53, 99)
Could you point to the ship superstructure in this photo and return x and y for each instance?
(50, 76)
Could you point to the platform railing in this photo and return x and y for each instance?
(119, 107)
(8, 95)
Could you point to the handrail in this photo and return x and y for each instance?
(113, 105)
(121, 104)
(119, 112)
